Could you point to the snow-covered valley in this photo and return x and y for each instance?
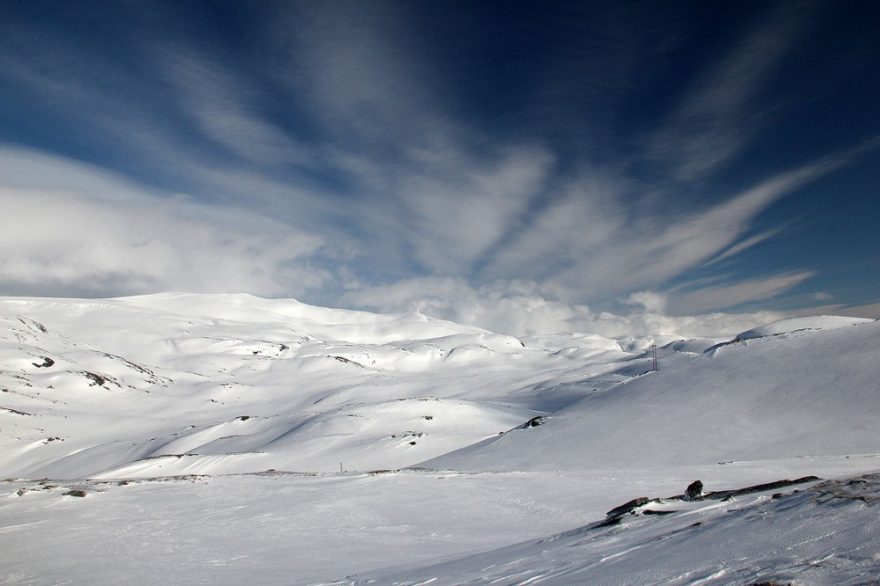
(233, 439)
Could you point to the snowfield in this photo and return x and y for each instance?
(204, 439)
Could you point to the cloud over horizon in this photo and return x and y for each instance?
(529, 168)
(86, 233)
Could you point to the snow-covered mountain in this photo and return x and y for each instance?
(219, 438)
(176, 384)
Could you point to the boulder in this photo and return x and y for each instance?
(694, 490)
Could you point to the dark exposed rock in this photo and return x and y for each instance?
(169, 456)
(862, 489)
(16, 411)
(75, 492)
(608, 522)
(724, 494)
(97, 380)
(344, 360)
(694, 490)
(628, 506)
(47, 362)
(617, 513)
(534, 422)
(33, 324)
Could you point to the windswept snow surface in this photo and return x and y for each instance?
(801, 324)
(231, 439)
(825, 534)
(810, 393)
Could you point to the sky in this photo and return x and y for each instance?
(523, 166)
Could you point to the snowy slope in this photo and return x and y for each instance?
(791, 537)
(801, 324)
(227, 438)
(811, 393)
(178, 383)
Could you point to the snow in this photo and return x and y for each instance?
(809, 395)
(230, 439)
(805, 538)
(800, 324)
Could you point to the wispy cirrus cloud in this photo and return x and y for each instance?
(590, 244)
(719, 115)
(187, 120)
(592, 241)
(699, 300)
(744, 245)
(338, 119)
(454, 221)
(226, 109)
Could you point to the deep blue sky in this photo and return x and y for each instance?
(689, 157)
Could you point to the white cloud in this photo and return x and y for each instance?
(508, 307)
(185, 119)
(722, 296)
(577, 229)
(526, 308)
(79, 229)
(744, 245)
(226, 108)
(428, 192)
(651, 301)
(645, 323)
(594, 242)
(454, 220)
(386, 173)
